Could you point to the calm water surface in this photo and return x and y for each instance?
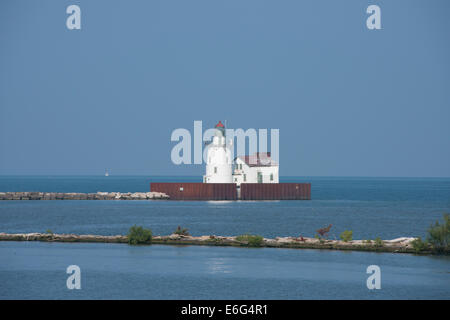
(387, 208)
(37, 270)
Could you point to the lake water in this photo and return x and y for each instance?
(386, 208)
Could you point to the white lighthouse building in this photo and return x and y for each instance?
(256, 168)
(218, 160)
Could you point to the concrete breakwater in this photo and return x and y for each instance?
(82, 196)
(399, 245)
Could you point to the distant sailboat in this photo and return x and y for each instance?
(106, 173)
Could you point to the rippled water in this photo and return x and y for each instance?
(37, 270)
(387, 208)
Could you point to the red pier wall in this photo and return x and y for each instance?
(228, 191)
(275, 191)
(196, 191)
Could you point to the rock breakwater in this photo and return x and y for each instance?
(400, 245)
(82, 196)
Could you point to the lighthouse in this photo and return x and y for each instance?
(255, 175)
(218, 159)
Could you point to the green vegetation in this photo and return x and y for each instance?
(378, 242)
(439, 235)
(49, 231)
(139, 235)
(367, 241)
(419, 245)
(438, 238)
(181, 231)
(251, 240)
(346, 236)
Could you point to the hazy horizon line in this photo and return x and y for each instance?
(196, 176)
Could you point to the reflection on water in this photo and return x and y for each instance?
(116, 271)
(218, 265)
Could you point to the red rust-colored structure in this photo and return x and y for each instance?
(275, 191)
(196, 191)
(228, 191)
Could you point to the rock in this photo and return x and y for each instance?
(82, 196)
(400, 240)
(111, 196)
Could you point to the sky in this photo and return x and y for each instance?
(348, 101)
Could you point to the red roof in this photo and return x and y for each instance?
(220, 125)
(259, 159)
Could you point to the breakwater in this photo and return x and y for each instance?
(82, 196)
(399, 245)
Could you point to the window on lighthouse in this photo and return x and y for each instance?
(215, 169)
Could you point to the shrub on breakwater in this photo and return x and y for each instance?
(419, 245)
(346, 236)
(439, 235)
(139, 235)
(250, 240)
(181, 231)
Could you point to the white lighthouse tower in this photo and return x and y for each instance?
(218, 160)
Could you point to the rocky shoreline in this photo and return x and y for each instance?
(399, 245)
(82, 196)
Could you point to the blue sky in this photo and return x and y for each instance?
(348, 101)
